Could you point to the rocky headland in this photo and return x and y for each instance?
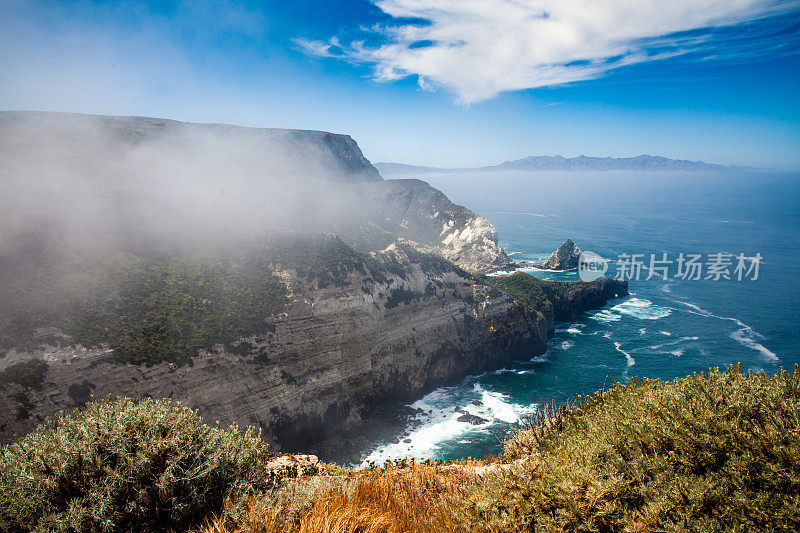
(315, 332)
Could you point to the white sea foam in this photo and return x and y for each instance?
(642, 309)
(628, 357)
(438, 422)
(500, 273)
(745, 335)
(677, 353)
(605, 316)
(667, 333)
(532, 270)
(495, 405)
(566, 345)
(642, 331)
(672, 342)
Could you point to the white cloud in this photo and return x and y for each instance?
(479, 48)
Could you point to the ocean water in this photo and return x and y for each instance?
(664, 329)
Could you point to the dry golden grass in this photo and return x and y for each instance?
(412, 499)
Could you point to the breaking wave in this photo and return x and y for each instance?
(438, 421)
(642, 308)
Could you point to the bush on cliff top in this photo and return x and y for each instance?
(710, 452)
(121, 465)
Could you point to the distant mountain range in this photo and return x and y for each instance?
(546, 162)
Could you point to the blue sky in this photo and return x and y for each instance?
(435, 82)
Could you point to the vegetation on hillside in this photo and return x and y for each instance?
(156, 306)
(710, 452)
(532, 293)
(716, 451)
(168, 310)
(324, 260)
(147, 309)
(120, 465)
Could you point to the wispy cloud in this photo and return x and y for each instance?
(480, 48)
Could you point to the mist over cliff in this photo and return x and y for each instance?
(99, 183)
(119, 181)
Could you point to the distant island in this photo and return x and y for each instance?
(557, 162)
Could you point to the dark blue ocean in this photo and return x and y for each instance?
(664, 329)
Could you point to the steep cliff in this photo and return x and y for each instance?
(415, 211)
(145, 257)
(562, 300)
(359, 336)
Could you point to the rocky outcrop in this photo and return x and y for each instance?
(417, 212)
(585, 296)
(564, 258)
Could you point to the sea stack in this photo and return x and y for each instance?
(565, 258)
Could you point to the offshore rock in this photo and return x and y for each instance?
(564, 258)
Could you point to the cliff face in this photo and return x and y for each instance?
(413, 210)
(358, 336)
(344, 354)
(341, 352)
(586, 296)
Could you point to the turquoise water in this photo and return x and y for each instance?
(665, 329)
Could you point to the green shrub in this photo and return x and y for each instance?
(121, 465)
(29, 374)
(710, 452)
